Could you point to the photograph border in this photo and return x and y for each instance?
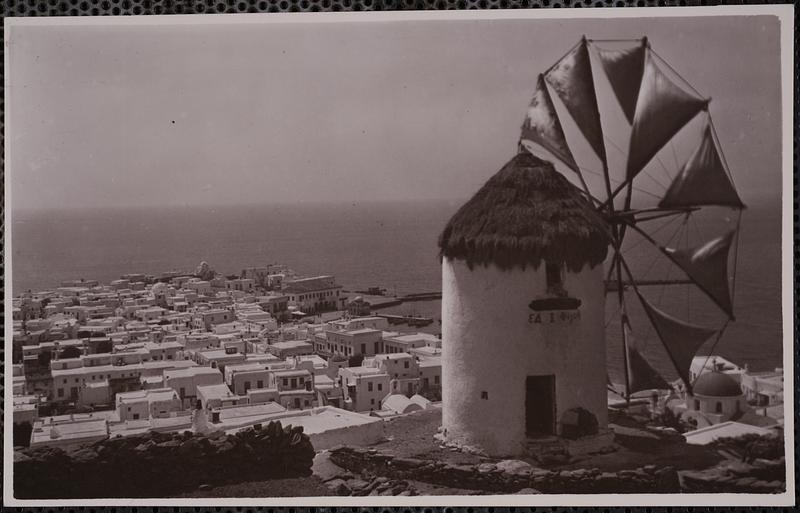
(784, 12)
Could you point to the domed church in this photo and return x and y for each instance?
(523, 339)
(716, 397)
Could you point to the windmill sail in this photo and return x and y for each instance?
(624, 70)
(659, 104)
(641, 375)
(702, 180)
(571, 78)
(681, 339)
(542, 126)
(707, 265)
(662, 109)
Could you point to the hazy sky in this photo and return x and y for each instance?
(202, 115)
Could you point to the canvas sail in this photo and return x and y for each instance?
(662, 109)
(707, 266)
(703, 180)
(641, 375)
(542, 126)
(624, 70)
(681, 339)
(571, 79)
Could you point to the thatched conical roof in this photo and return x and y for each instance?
(526, 213)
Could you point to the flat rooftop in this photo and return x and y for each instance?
(291, 372)
(68, 432)
(220, 354)
(99, 369)
(326, 418)
(430, 362)
(250, 410)
(415, 337)
(318, 420)
(392, 356)
(190, 372)
(363, 371)
(152, 394)
(288, 344)
(218, 391)
(708, 434)
(362, 331)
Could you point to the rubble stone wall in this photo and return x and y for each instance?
(162, 464)
(494, 478)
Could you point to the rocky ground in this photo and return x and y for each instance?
(340, 481)
(410, 461)
(644, 458)
(292, 487)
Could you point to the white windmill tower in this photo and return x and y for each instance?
(522, 310)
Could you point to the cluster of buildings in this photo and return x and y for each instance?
(728, 400)
(183, 352)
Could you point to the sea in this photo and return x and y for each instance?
(392, 245)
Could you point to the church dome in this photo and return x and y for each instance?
(716, 384)
(526, 213)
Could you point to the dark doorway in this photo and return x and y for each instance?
(540, 405)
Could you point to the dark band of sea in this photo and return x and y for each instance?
(391, 245)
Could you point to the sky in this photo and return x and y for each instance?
(290, 113)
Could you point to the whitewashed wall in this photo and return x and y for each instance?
(488, 344)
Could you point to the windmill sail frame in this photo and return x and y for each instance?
(658, 103)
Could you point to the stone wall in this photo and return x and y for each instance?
(509, 476)
(162, 464)
(759, 476)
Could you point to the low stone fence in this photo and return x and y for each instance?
(508, 476)
(162, 464)
(759, 476)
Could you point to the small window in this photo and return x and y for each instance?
(555, 279)
(696, 404)
(405, 364)
(380, 387)
(484, 395)
(436, 380)
(719, 407)
(369, 386)
(135, 416)
(260, 383)
(372, 401)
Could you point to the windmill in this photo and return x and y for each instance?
(638, 140)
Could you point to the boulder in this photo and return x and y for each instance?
(485, 468)
(407, 463)
(515, 467)
(338, 486)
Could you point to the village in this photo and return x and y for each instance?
(206, 353)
